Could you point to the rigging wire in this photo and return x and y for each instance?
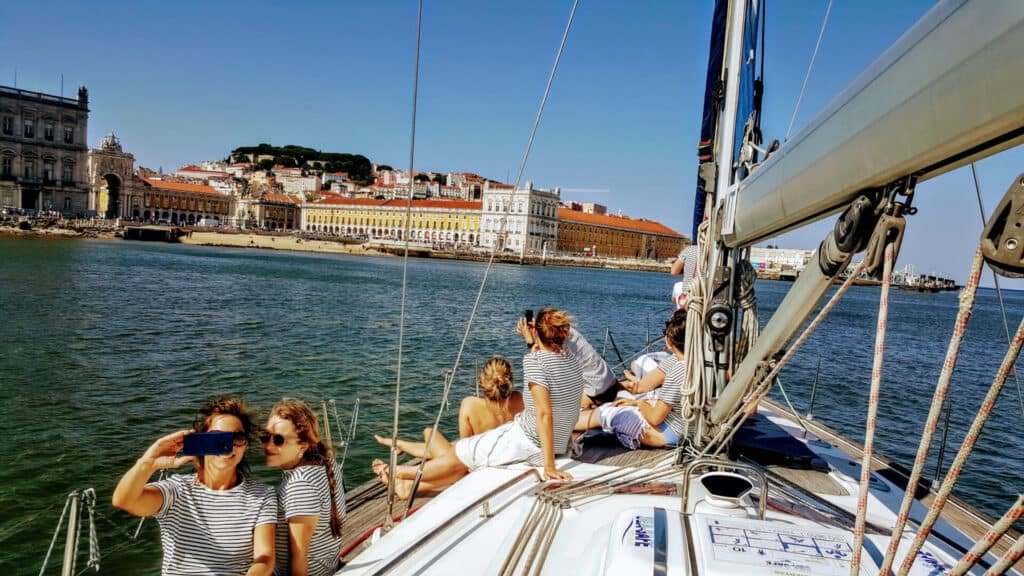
(810, 66)
(999, 291)
(388, 516)
(519, 177)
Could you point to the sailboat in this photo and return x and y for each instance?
(755, 490)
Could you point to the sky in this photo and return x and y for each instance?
(182, 82)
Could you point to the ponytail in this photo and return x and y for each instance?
(327, 458)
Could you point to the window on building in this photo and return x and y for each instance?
(30, 129)
(48, 132)
(7, 166)
(8, 125)
(29, 170)
(67, 176)
(69, 135)
(48, 171)
(67, 203)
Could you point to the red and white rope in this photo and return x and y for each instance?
(869, 427)
(981, 547)
(1009, 559)
(963, 316)
(965, 449)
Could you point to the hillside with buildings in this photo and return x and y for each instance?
(46, 166)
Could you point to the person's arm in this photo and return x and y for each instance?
(131, 494)
(262, 551)
(654, 412)
(300, 534)
(546, 431)
(651, 380)
(677, 267)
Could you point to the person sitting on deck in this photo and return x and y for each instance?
(216, 520)
(601, 385)
(661, 414)
(499, 404)
(653, 379)
(311, 500)
(540, 432)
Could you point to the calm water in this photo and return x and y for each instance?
(104, 346)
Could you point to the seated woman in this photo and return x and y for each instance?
(652, 379)
(662, 422)
(310, 501)
(541, 431)
(500, 403)
(216, 520)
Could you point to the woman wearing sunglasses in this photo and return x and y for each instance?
(216, 520)
(311, 503)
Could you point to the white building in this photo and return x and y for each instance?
(297, 185)
(524, 221)
(779, 258)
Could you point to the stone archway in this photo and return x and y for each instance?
(112, 207)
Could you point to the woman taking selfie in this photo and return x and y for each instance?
(311, 503)
(216, 520)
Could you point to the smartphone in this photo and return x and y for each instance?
(208, 443)
(529, 316)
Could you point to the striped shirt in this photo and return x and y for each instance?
(206, 531)
(304, 491)
(671, 393)
(668, 363)
(561, 375)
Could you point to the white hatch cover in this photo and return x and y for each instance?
(745, 546)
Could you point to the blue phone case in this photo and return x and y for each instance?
(208, 444)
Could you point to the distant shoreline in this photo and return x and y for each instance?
(291, 243)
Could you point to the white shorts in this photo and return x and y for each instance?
(503, 445)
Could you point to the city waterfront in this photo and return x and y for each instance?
(108, 344)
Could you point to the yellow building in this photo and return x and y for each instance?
(617, 236)
(435, 221)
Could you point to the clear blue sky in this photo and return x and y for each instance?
(181, 82)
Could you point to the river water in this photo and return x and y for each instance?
(106, 345)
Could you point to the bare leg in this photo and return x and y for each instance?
(438, 446)
(653, 438)
(436, 478)
(587, 420)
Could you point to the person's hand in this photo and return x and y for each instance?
(553, 473)
(164, 452)
(630, 376)
(524, 330)
(626, 402)
(631, 386)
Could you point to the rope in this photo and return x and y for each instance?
(981, 547)
(869, 427)
(693, 401)
(89, 501)
(56, 531)
(1008, 559)
(963, 316)
(519, 178)
(448, 379)
(778, 382)
(965, 449)
(999, 292)
(729, 427)
(814, 55)
(388, 522)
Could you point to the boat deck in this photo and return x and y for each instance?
(367, 504)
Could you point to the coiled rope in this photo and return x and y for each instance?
(869, 427)
(728, 428)
(963, 316)
(981, 547)
(965, 449)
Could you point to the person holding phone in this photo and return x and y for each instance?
(537, 434)
(215, 520)
(311, 501)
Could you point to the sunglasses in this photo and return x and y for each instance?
(267, 437)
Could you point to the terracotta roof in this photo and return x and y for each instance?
(183, 187)
(451, 204)
(280, 198)
(610, 221)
